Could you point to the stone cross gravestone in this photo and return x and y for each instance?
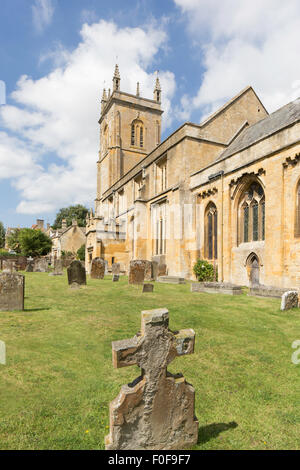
(76, 274)
(289, 300)
(12, 286)
(157, 410)
(98, 268)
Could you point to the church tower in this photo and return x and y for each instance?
(129, 130)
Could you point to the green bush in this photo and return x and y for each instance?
(81, 253)
(204, 271)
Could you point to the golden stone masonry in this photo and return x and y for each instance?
(226, 190)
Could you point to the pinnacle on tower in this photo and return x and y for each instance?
(104, 100)
(157, 90)
(138, 89)
(116, 79)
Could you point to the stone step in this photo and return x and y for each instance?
(171, 279)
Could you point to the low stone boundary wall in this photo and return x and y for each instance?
(216, 288)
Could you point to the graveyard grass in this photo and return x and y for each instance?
(58, 381)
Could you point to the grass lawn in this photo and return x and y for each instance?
(58, 381)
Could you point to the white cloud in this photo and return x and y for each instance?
(58, 114)
(42, 13)
(245, 43)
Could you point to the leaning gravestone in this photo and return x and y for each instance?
(289, 300)
(76, 274)
(139, 271)
(98, 268)
(40, 265)
(157, 410)
(12, 287)
(115, 268)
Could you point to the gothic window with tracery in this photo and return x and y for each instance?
(251, 214)
(297, 218)
(211, 231)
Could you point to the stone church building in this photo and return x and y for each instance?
(226, 190)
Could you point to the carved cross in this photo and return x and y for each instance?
(155, 411)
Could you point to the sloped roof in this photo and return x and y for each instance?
(283, 117)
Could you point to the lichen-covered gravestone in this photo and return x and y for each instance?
(76, 274)
(115, 277)
(12, 287)
(58, 268)
(140, 270)
(289, 300)
(157, 410)
(40, 265)
(98, 268)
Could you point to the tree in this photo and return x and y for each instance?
(30, 242)
(13, 240)
(77, 212)
(81, 253)
(2, 235)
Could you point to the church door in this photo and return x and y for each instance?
(254, 272)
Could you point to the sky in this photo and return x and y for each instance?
(57, 55)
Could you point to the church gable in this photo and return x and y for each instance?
(226, 124)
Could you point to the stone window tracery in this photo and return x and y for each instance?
(211, 231)
(251, 214)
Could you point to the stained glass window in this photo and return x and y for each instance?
(211, 232)
(246, 223)
(255, 222)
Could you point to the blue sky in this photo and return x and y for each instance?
(56, 56)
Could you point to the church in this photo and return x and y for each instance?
(226, 190)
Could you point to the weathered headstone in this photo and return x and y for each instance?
(139, 271)
(115, 277)
(157, 410)
(12, 286)
(76, 274)
(40, 265)
(98, 268)
(289, 300)
(29, 267)
(9, 266)
(21, 263)
(58, 268)
(148, 288)
(115, 268)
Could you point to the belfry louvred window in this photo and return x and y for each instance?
(137, 133)
(251, 214)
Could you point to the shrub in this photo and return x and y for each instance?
(204, 271)
(81, 253)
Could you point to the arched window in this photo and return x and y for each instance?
(137, 133)
(132, 134)
(251, 214)
(297, 216)
(211, 231)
